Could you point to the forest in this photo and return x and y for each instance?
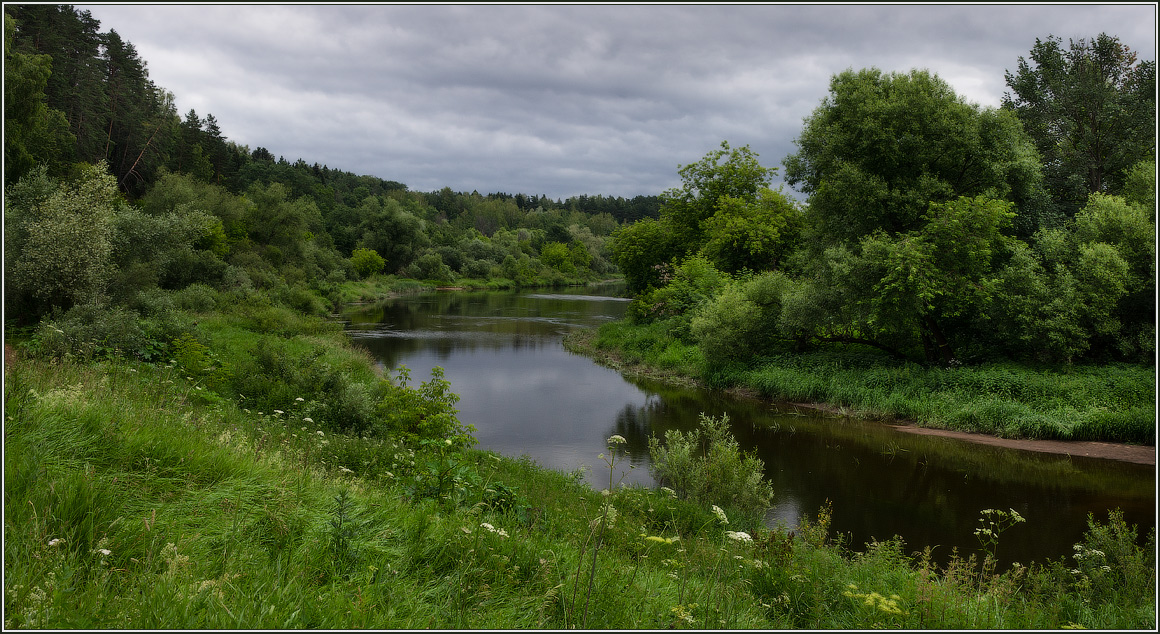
(191, 441)
(111, 194)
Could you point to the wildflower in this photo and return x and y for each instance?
(279, 412)
(669, 491)
(344, 469)
(319, 433)
(56, 542)
(308, 419)
(720, 514)
(105, 552)
(447, 442)
(299, 399)
(498, 531)
(616, 439)
(739, 536)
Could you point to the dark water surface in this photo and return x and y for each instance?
(526, 394)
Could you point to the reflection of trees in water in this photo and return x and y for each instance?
(880, 481)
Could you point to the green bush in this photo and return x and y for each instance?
(97, 330)
(196, 297)
(708, 466)
(426, 413)
(741, 321)
(367, 262)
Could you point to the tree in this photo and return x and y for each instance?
(33, 132)
(723, 173)
(923, 291)
(62, 251)
(642, 250)
(882, 146)
(1091, 110)
(76, 86)
(752, 235)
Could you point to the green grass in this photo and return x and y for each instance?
(1113, 402)
(134, 499)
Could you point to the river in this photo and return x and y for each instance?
(526, 395)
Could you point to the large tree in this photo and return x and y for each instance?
(33, 132)
(882, 146)
(1091, 110)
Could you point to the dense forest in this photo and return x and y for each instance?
(111, 194)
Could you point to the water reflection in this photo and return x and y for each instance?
(526, 395)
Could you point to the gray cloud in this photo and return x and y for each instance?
(563, 100)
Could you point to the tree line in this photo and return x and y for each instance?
(934, 230)
(110, 193)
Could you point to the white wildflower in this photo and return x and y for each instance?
(616, 439)
(739, 536)
(300, 399)
(720, 514)
(56, 542)
(308, 419)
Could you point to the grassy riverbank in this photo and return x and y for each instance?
(266, 477)
(1114, 402)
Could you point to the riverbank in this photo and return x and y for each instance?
(610, 350)
(155, 496)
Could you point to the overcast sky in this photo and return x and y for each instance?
(564, 100)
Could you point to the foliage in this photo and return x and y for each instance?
(424, 413)
(34, 133)
(752, 235)
(882, 147)
(63, 244)
(721, 175)
(708, 466)
(742, 320)
(688, 286)
(640, 250)
(366, 262)
(1090, 108)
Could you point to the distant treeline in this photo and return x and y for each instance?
(174, 202)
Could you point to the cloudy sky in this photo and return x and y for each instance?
(564, 100)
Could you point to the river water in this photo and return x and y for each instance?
(526, 395)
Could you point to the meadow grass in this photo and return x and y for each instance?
(1112, 402)
(139, 496)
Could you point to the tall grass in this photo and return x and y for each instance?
(1113, 402)
(134, 501)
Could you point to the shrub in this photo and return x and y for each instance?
(367, 262)
(708, 466)
(197, 297)
(426, 413)
(96, 330)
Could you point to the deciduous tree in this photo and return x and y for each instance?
(1091, 109)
